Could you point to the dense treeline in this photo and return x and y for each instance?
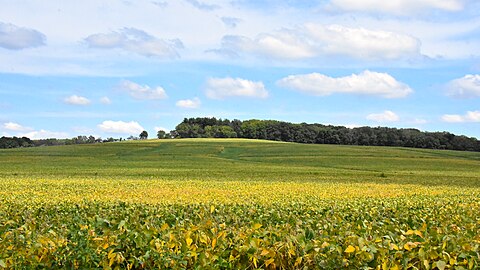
(14, 142)
(75, 140)
(321, 134)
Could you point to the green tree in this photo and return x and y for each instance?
(161, 134)
(143, 135)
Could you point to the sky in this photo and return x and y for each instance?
(115, 68)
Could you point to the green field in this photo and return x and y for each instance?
(238, 204)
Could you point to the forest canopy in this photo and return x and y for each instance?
(322, 134)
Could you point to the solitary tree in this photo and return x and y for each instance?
(161, 134)
(143, 135)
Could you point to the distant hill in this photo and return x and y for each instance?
(321, 134)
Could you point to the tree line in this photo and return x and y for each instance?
(321, 134)
(204, 127)
(14, 142)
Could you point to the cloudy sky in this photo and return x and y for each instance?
(115, 68)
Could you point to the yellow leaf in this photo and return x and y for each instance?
(264, 252)
(257, 226)
(409, 245)
(409, 232)
(269, 261)
(214, 242)
(350, 249)
(189, 241)
(111, 254)
(212, 208)
(298, 261)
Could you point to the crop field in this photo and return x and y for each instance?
(238, 204)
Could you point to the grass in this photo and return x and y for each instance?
(161, 203)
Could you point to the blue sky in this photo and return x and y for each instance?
(115, 68)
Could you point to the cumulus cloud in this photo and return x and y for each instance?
(23, 131)
(121, 127)
(189, 103)
(221, 88)
(398, 7)
(144, 92)
(77, 100)
(105, 100)
(11, 126)
(44, 134)
(386, 116)
(314, 40)
(135, 40)
(470, 116)
(465, 87)
(365, 83)
(13, 37)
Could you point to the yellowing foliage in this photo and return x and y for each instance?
(156, 205)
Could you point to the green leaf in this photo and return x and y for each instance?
(441, 265)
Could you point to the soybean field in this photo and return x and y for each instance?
(238, 204)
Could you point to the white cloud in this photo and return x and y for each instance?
(138, 91)
(386, 116)
(105, 100)
(465, 87)
(11, 126)
(189, 103)
(365, 83)
(399, 7)
(135, 40)
(220, 88)
(470, 116)
(121, 127)
(13, 37)
(44, 134)
(77, 100)
(314, 40)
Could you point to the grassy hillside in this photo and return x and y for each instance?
(238, 204)
(238, 159)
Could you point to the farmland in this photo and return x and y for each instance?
(238, 204)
